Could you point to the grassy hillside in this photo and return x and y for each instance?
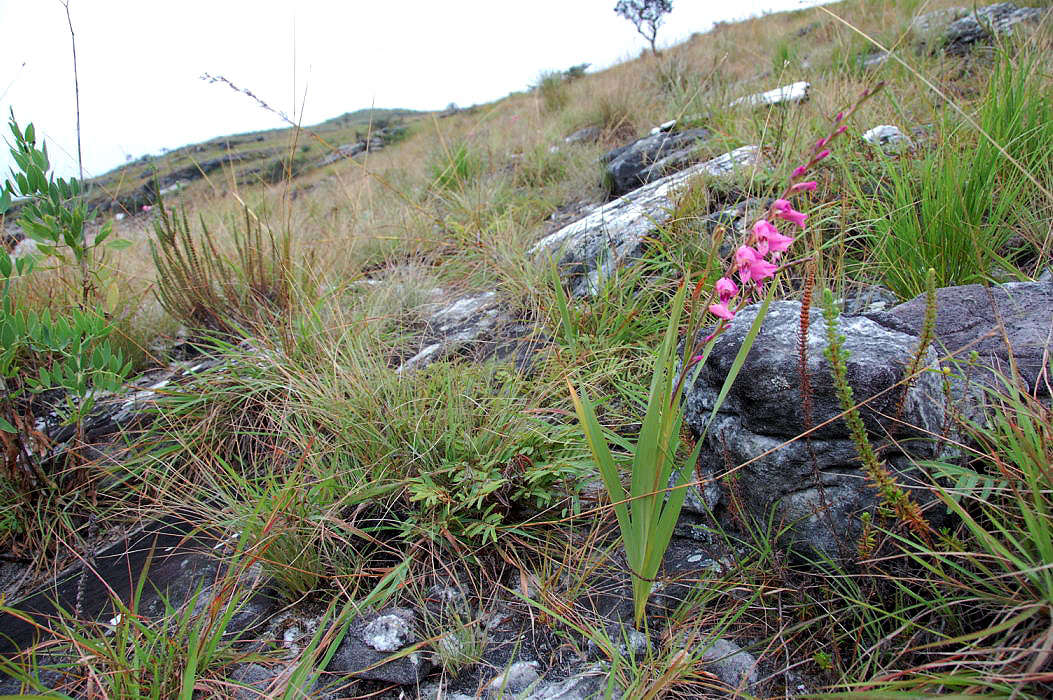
(340, 473)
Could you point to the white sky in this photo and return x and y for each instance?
(140, 61)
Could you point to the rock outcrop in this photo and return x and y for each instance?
(650, 158)
(590, 249)
(957, 30)
(816, 486)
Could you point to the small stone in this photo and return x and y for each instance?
(733, 666)
(887, 137)
(517, 678)
(790, 94)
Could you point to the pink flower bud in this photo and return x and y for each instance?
(839, 117)
(803, 186)
(822, 154)
(799, 171)
(840, 130)
(821, 142)
(784, 210)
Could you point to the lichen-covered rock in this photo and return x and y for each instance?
(368, 649)
(591, 684)
(1016, 317)
(956, 29)
(787, 94)
(591, 248)
(1000, 18)
(476, 324)
(649, 158)
(816, 487)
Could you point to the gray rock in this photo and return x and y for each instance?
(957, 29)
(874, 60)
(815, 487)
(1000, 18)
(465, 320)
(868, 299)
(516, 678)
(972, 317)
(787, 94)
(735, 668)
(591, 684)
(931, 25)
(1046, 276)
(888, 138)
(647, 159)
(591, 248)
(254, 679)
(663, 127)
(364, 652)
(590, 134)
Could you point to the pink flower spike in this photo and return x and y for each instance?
(726, 289)
(721, 311)
(784, 210)
(799, 171)
(803, 186)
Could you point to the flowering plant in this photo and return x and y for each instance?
(647, 513)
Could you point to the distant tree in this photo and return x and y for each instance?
(646, 16)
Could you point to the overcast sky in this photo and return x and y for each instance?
(140, 61)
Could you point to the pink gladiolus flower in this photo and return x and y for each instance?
(726, 289)
(839, 117)
(784, 210)
(799, 170)
(803, 186)
(840, 130)
(821, 142)
(751, 267)
(762, 269)
(769, 240)
(721, 311)
(822, 154)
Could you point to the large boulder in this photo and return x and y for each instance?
(816, 487)
(650, 158)
(591, 248)
(1013, 319)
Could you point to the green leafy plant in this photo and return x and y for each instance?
(646, 513)
(42, 351)
(53, 213)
